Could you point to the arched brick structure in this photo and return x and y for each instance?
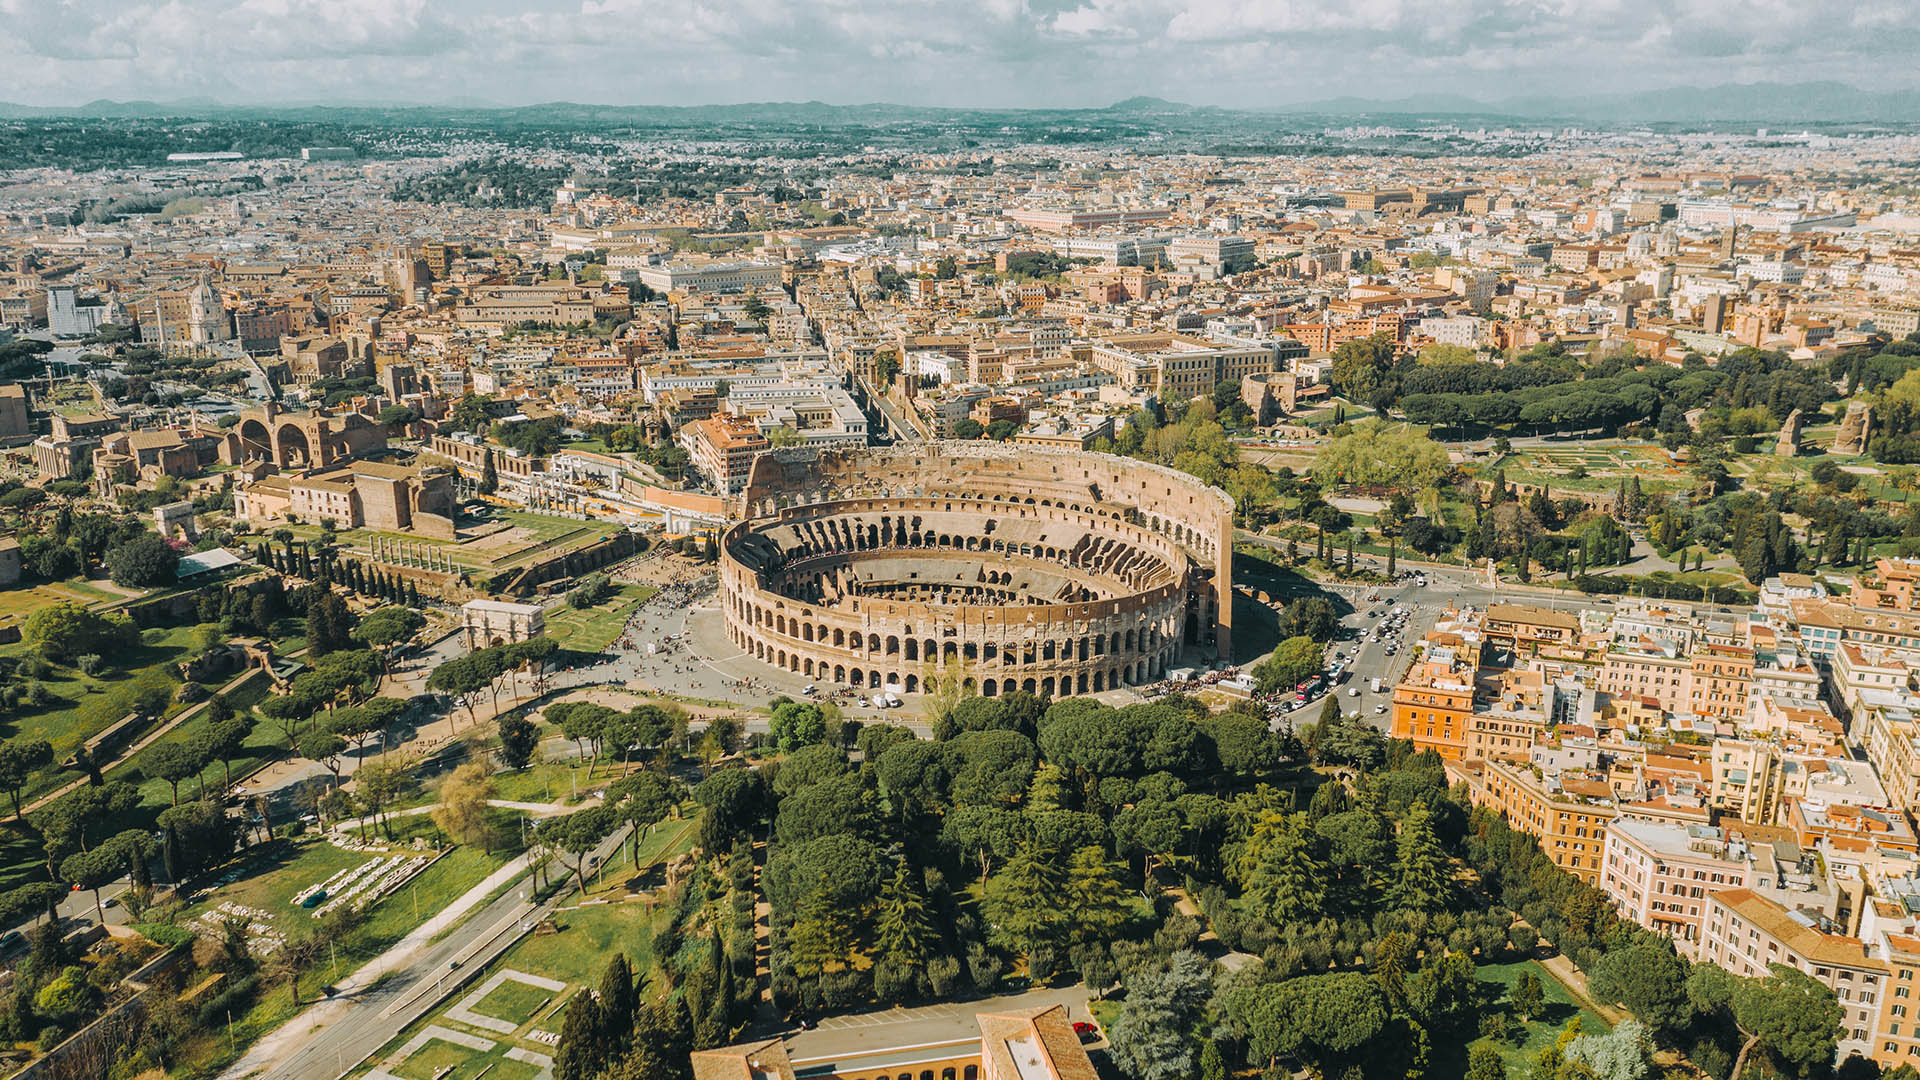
(1011, 567)
(300, 439)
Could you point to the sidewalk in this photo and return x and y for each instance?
(272, 1046)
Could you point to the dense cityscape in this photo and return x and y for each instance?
(897, 593)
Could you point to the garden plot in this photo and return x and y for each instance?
(511, 992)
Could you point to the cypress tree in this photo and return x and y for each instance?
(1422, 874)
(582, 1053)
(618, 1001)
(903, 934)
(170, 854)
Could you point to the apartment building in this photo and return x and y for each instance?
(1746, 779)
(1567, 811)
(1862, 672)
(722, 449)
(1890, 734)
(1719, 681)
(1433, 704)
(1527, 630)
(1663, 677)
(1745, 932)
(1660, 876)
(1896, 1037)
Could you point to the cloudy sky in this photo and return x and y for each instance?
(935, 52)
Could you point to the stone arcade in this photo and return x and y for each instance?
(1006, 567)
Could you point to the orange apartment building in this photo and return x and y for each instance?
(1722, 675)
(1527, 629)
(1896, 1036)
(1569, 815)
(722, 448)
(1433, 707)
(1896, 588)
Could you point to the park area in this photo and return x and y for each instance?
(1593, 469)
(1524, 1040)
(18, 604)
(506, 1020)
(591, 630)
(273, 891)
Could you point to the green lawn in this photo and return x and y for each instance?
(389, 921)
(1497, 981)
(587, 939)
(546, 527)
(555, 782)
(478, 553)
(461, 1063)
(66, 721)
(21, 858)
(18, 604)
(515, 1001)
(593, 629)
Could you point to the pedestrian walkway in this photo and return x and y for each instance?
(276, 1044)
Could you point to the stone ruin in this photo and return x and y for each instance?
(1789, 442)
(1855, 426)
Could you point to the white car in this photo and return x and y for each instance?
(1353, 691)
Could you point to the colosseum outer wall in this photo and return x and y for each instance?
(1156, 515)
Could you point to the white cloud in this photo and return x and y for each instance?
(987, 52)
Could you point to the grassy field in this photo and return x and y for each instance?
(63, 720)
(515, 1001)
(391, 920)
(481, 552)
(593, 629)
(1497, 981)
(584, 937)
(440, 1060)
(587, 939)
(1605, 466)
(20, 856)
(17, 605)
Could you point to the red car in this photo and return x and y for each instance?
(1087, 1030)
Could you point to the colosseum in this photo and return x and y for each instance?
(1006, 567)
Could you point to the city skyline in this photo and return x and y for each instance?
(1004, 53)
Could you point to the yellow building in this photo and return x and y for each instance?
(1568, 813)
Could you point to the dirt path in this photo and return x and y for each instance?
(1575, 981)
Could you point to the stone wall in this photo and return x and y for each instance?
(1154, 544)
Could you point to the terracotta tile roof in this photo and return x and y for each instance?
(1797, 937)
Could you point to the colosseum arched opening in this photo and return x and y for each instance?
(1002, 567)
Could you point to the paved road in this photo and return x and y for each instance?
(1446, 587)
(364, 1020)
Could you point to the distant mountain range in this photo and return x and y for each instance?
(1809, 102)
(1762, 103)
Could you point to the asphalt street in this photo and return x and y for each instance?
(370, 1018)
(1446, 587)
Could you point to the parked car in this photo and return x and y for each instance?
(1086, 1030)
